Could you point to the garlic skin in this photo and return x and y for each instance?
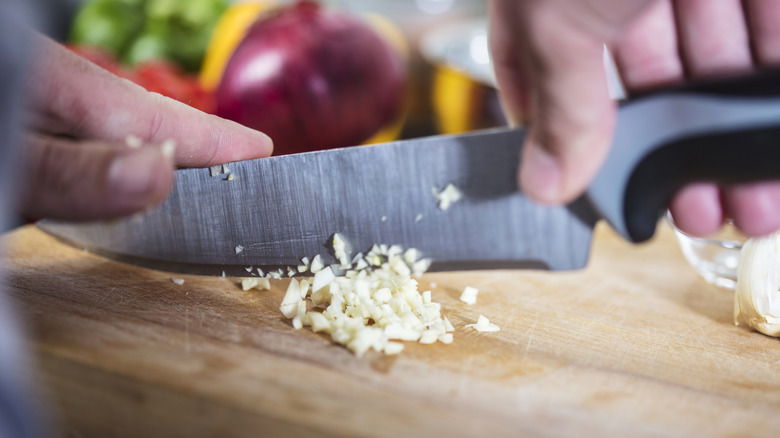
(756, 297)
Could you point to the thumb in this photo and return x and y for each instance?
(572, 122)
(80, 181)
(550, 73)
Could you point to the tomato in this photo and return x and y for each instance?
(101, 57)
(159, 76)
(167, 79)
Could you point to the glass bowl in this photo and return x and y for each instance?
(714, 257)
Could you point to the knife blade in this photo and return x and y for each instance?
(272, 212)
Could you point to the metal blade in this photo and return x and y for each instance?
(274, 211)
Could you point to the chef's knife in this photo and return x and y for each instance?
(272, 212)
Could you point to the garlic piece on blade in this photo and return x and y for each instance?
(756, 298)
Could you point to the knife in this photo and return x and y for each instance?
(270, 213)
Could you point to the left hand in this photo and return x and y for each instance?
(77, 164)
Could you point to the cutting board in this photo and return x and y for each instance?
(634, 345)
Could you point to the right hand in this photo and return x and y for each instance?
(547, 56)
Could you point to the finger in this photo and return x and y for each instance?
(510, 68)
(763, 17)
(91, 103)
(647, 53)
(713, 36)
(67, 180)
(754, 208)
(697, 210)
(570, 112)
(716, 40)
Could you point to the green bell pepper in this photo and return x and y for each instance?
(141, 30)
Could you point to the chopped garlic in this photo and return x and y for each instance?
(418, 218)
(446, 197)
(469, 295)
(372, 304)
(323, 278)
(420, 267)
(291, 299)
(411, 255)
(304, 287)
(304, 266)
(319, 323)
(429, 337)
(178, 281)
(248, 283)
(239, 249)
(446, 338)
(340, 249)
(392, 348)
(448, 327)
(484, 325)
(316, 264)
(301, 318)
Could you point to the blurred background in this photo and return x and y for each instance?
(183, 49)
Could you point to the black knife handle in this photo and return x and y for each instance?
(726, 132)
(739, 156)
(761, 83)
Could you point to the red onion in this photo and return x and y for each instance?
(312, 78)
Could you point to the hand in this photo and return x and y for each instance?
(77, 162)
(548, 60)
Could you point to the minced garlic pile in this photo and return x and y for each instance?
(372, 304)
(367, 302)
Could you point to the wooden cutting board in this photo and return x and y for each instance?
(635, 345)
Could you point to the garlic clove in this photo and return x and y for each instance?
(756, 297)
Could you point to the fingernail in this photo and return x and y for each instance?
(540, 175)
(267, 144)
(132, 174)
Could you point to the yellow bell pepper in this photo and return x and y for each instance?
(228, 32)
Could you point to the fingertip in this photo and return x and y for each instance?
(226, 142)
(244, 143)
(265, 145)
(238, 142)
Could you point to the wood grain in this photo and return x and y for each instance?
(634, 345)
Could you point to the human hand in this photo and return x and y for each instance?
(547, 56)
(77, 162)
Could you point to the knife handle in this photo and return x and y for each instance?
(761, 83)
(726, 132)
